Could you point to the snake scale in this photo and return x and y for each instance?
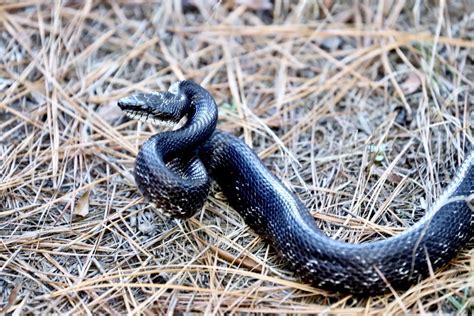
(173, 171)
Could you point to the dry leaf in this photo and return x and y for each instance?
(82, 206)
(411, 84)
(392, 177)
(11, 299)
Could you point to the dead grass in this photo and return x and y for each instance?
(364, 109)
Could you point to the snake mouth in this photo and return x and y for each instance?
(148, 118)
(150, 108)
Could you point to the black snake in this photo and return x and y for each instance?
(172, 170)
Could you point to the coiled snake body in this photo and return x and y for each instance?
(172, 171)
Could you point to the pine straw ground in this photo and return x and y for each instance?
(365, 110)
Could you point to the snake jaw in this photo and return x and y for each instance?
(143, 117)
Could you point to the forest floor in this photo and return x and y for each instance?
(365, 110)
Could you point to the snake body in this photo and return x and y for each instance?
(172, 171)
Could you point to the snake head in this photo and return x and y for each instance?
(160, 108)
